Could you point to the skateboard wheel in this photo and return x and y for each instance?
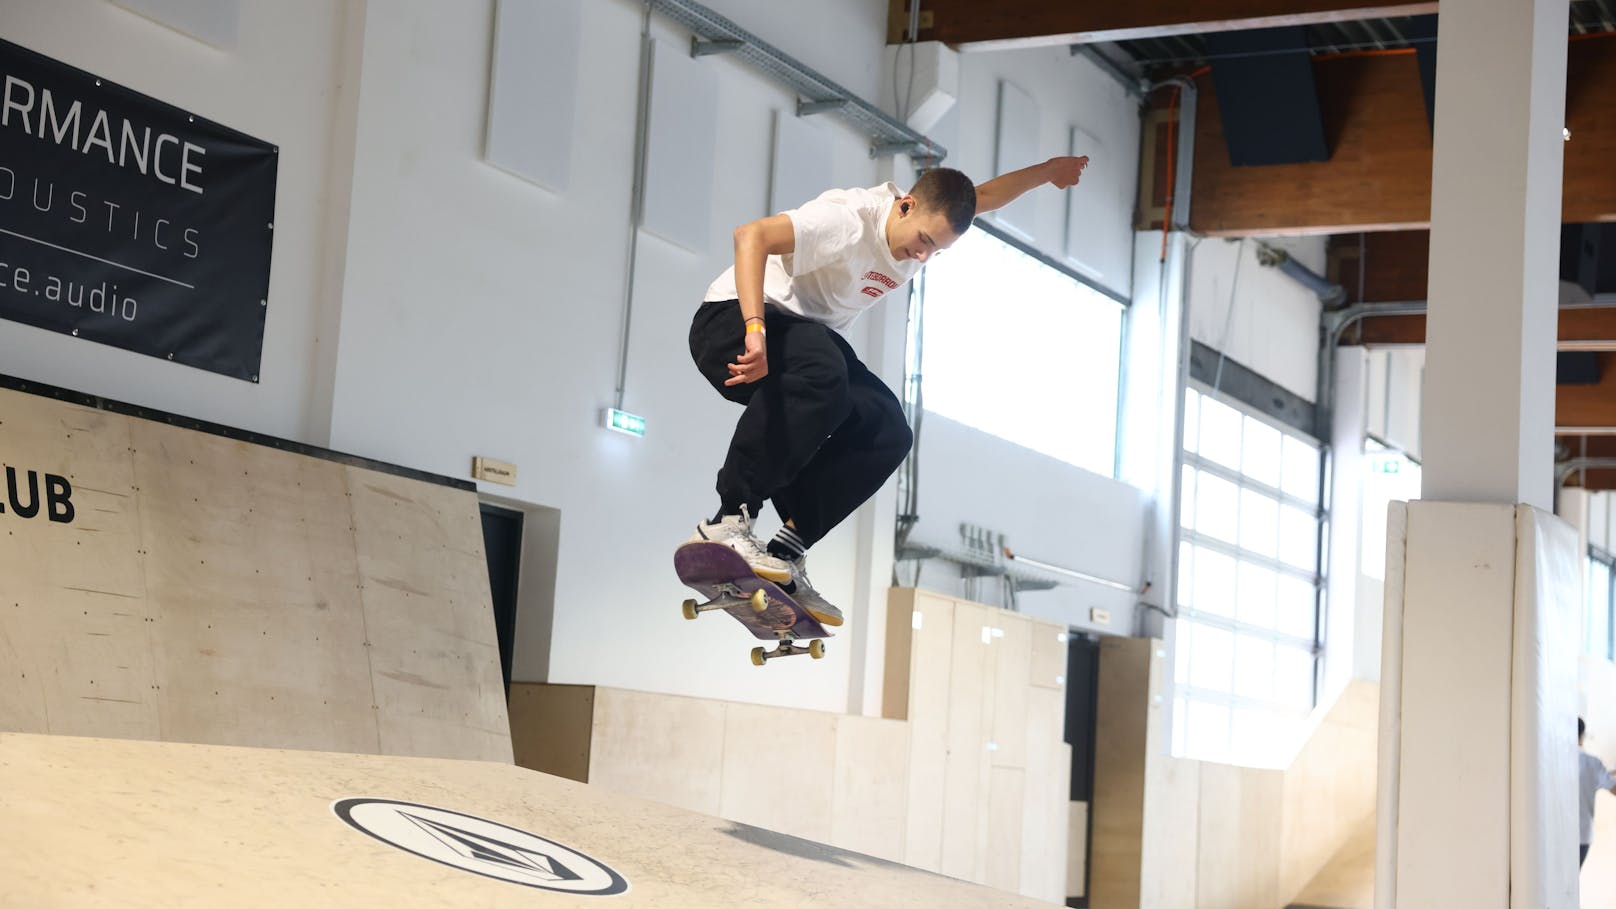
(759, 601)
(816, 649)
(758, 659)
(690, 609)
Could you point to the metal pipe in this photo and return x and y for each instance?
(1066, 572)
(1564, 469)
(1333, 323)
(1177, 263)
(1328, 292)
(636, 203)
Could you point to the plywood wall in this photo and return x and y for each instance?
(1170, 833)
(1120, 750)
(210, 590)
(832, 779)
(971, 779)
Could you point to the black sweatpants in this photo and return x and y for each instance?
(820, 433)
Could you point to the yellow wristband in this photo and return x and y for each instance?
(753, 326)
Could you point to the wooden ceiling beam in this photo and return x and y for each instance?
(1588, 406)
(1009, 24)
(1378, 177)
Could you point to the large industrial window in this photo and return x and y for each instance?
(1021, 349)
(1248, 585)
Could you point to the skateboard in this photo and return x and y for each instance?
(720, 574)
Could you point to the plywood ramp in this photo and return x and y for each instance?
(1347, 880)
(1170, 833)
(212, 590)
(966, 775)
(116, 822)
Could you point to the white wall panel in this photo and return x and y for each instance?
(1018, 146)
(1543, 762)
(802, 162)
(1455, 728)
(533, 90)
(215, 21)
(680, 139)
(1087, 236)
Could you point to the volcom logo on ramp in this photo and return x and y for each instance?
(480, 846)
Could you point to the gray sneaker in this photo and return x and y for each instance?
(735, 531)
(808, 598)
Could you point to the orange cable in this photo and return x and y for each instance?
(1372, 52)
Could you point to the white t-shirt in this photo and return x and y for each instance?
(1592, 777)
(841, 265)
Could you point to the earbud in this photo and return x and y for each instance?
(905, 208)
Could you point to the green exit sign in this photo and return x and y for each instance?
(1388, 465)
(624, 422)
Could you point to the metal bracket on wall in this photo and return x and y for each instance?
(972, 565)
(714, 34)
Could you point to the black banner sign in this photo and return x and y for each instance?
(130, 222)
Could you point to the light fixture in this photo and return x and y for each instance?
(622, 421)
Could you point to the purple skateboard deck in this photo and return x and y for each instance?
(719, 573)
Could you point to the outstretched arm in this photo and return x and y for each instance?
(1006, 188)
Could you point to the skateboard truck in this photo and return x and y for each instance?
(757, 599)
(815, 649)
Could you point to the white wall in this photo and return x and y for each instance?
(1274, 328)
(1047, 510)
(1069, 91)
(1377, 395)
(281, 84)
(1396, 387)
(623, 502)
(1352, 601)
(426, 307)
(483, 315)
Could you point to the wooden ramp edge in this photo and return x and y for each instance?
(96, 822)
(1347, 881)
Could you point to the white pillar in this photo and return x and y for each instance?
(1478, 757)
(1488, 415)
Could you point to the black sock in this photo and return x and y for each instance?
(787, 544)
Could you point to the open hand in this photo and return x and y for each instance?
(752, 365)
(1066, 171)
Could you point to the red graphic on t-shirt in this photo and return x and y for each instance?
(880, 279)
(872, 291)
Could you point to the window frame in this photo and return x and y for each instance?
(914, 380)
(1316, 578)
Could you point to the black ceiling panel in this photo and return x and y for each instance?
(1264, 81)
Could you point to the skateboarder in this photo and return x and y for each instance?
(820, 433)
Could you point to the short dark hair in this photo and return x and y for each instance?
(946, 190)
(1581, 727)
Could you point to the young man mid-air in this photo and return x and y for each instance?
(820, 433)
